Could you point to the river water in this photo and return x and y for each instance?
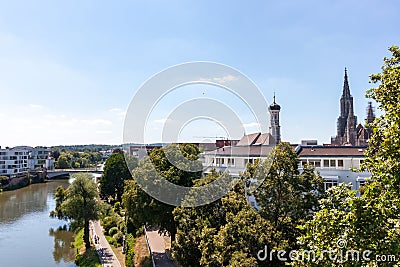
(28, 236)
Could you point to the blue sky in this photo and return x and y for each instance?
(68, 69)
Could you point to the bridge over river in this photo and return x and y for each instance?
(61, 173)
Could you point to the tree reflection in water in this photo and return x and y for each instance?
(62, 244)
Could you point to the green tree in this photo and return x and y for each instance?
(142, 208)
(62, 162)
(227, 232)
(369, 222)
(60, 197)
(286, 197)
(79, 203)
(4, 181)
(241, 237)
(194, 225)
(115, 174)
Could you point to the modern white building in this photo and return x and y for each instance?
(20, 159)
(336, 164)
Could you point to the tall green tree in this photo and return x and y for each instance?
(227, 232)
(115, 174)
(287, 198)
(142, 208)
(79, 203)
(369, 222)
(194, 224)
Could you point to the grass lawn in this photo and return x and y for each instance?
(87, 258)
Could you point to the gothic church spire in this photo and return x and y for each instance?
(346, 87)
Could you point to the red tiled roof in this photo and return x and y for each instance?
(248, 139)
(343, 151)
(242, 151)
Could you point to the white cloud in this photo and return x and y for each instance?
(117, 111)
(50, 116)
(35, 106)
(96, 122)
(103, 132)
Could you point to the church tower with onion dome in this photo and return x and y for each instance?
(275, 128)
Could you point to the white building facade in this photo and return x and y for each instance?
(20, 159)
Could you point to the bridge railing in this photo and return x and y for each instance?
(77, 170)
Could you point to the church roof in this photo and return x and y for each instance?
(256, 139)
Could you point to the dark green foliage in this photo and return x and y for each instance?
(227, 232)
(115, 174)
(109, 222)
(84, 148)
(4, 181)
(142, 208)
(130, 250)
(113, 231)
(286, 197)
(118, 236)
(70, 159)
(60, 197)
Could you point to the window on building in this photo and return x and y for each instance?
(332, 163)
(326, 163)
(231, 162)
(329, 183)
(340, 163)
(248, 161)
(315, 163)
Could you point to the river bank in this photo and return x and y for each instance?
(22, 180)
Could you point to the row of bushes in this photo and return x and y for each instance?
(114, 225)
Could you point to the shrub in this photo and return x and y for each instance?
(113, 231)
(109, 222)
(130, 250)
(117, 206)
(122, 226)
(118, 237)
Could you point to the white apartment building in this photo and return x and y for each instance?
(13, 161)
(20, 159)
(334, 163)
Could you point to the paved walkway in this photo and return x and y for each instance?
(106, 254)
(157, 246)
